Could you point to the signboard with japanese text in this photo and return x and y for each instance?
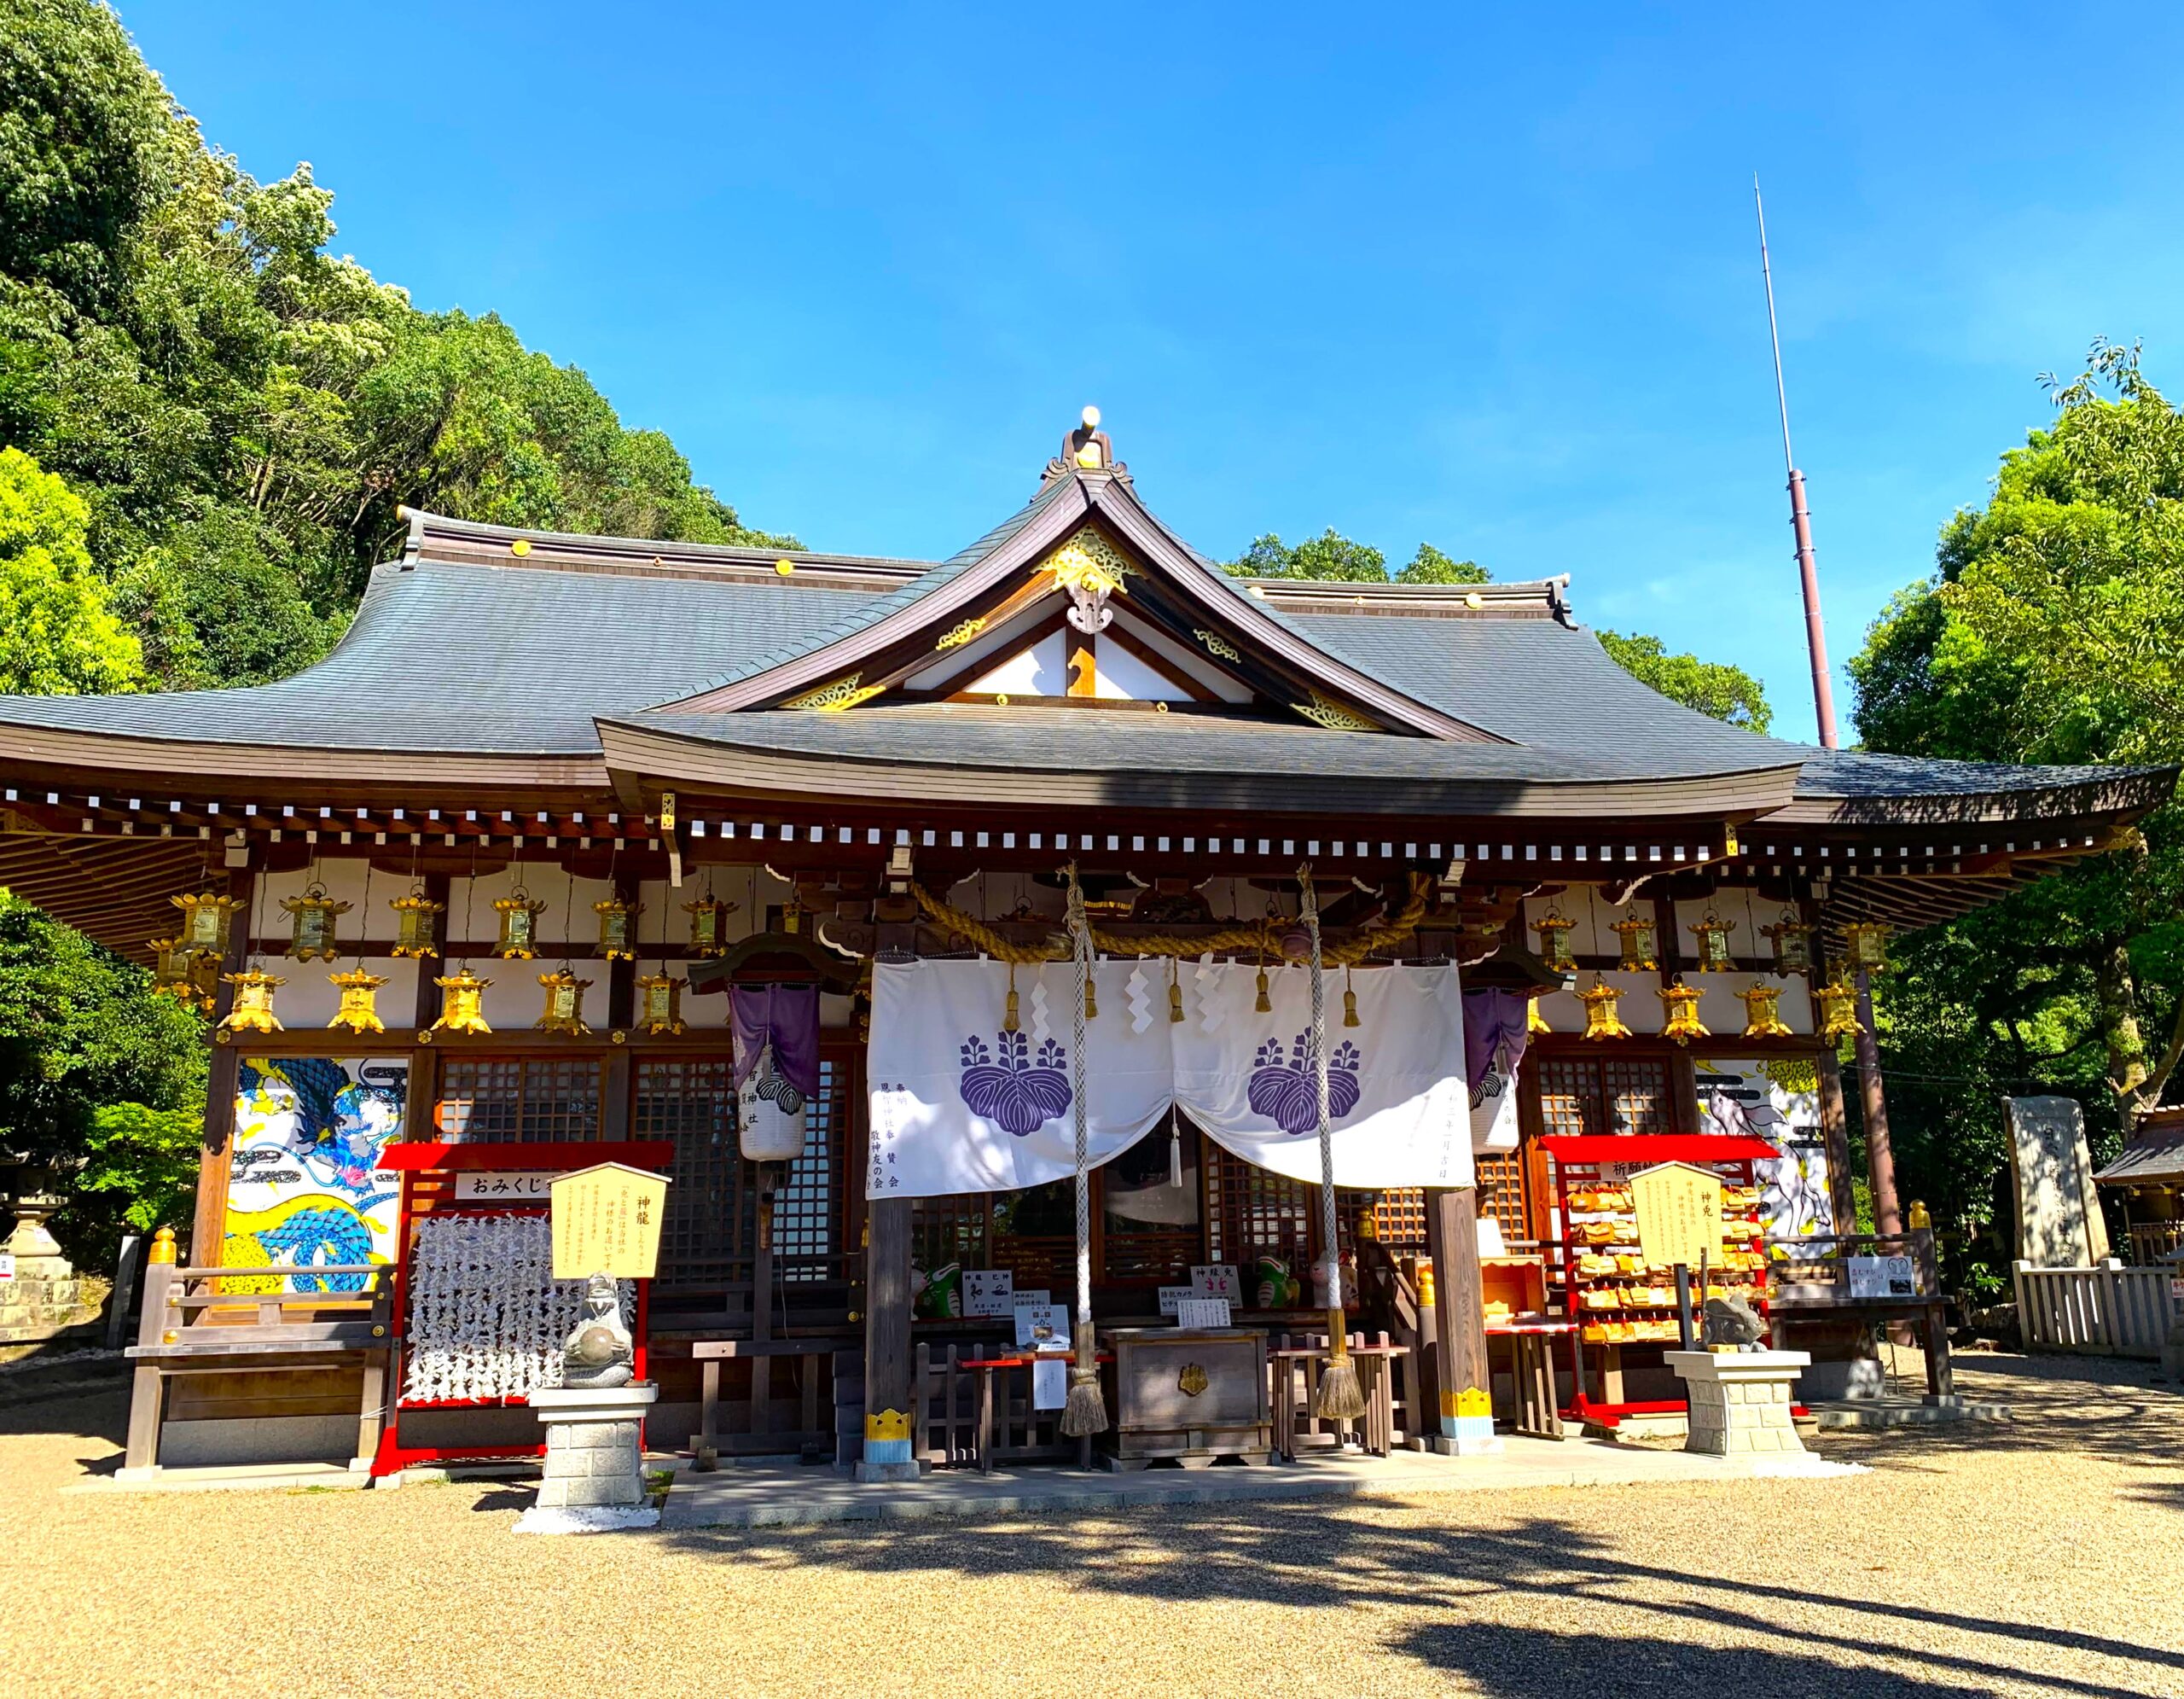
(1202, 1313)
(532, 1188)
(1026, 1296)
(1172, 1296)
(1043, 1327)
(1679, 1215)
(988, 1291)
(1215, 1280)
(607, 1221)
(1882, 1277)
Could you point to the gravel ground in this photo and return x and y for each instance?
(2041, 1557)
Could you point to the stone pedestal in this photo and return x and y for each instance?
(595, 1471)
(1740, 1401)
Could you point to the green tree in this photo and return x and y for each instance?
(2046, 633)
(1328, 555)
(1714, 688)
(57, 636)
(1429, 566)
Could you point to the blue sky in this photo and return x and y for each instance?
(1456, 274)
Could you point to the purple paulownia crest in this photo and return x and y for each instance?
(1286, 1093)
(1008, 1088)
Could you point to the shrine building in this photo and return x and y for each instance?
(857, 896)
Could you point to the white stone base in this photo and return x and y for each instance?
(1487, 1446)
(596, 1519)
(1740, 1401)
(873, 1474)
(593, 1458)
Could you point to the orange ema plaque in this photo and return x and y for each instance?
(1679, 1215)
(607, 1221)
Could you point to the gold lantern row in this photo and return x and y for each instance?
(1791, 941)
(311, 918)
(1602, 1018)
(709, 925)
(618, 928)
(189, 976)
(1865, 946)
(359, 1010)
(1712, 935)
(519, 913)
(253, 1005)
(461, 1003)
(1554, 930)
(1640, 952)
(1679, 1013)
(564, 1003)
(1838, 1007)
(1762, 1015)
(659, 1003)
(206, 920)
(416, 924)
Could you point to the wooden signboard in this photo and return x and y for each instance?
(607, 1221)
(1679, 1215)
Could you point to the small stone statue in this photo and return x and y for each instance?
(1732, 1321)
(599, 1352)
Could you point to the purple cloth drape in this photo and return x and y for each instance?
(789, 1016)
(1493, 1020)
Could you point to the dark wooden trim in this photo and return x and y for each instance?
(209, 1220)
(1459, 1295)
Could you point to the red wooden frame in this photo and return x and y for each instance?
(422, 1157)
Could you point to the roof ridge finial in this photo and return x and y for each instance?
(1087, 448)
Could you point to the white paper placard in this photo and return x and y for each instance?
(1215, 1280)
(511, 1188)
(1172, 1295)
(989, 1291)
(1881, 1278)
(1049, 1384)
(1025, 1296)
(1043, 1327)
(7, 1265)
(1202, 1313)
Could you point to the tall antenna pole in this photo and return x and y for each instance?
(1823, 692)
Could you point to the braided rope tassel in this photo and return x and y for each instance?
(1086, 1411)
(1342, 1397)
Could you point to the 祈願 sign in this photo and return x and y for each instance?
(1679, 1215)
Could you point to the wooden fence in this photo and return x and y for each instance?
(2110, 1311)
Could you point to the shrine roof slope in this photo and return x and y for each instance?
(1051, 754)
(499, 660)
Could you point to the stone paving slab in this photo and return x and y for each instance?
(776, 1498)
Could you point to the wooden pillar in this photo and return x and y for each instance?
(1880, 1155)
(1466, 1417)
(209, 1222)
(1835, 1133)
(890, 1397)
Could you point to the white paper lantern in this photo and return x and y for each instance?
(770, 1113)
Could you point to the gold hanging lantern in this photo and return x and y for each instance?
(1866, 944)
(618, 928)
(359, 1010)
(564, 1003)
(171, 966)
(253, 1005)
(659, 1003)
(1838, 1007)
(1679, 1013)
(1713, 936)
(416, 924)
(1554, 930)
(1535, 1022)
(518, 914)
(1791, 939)
(1602, 1018)
(1640, 953)
(462, 1009)
(310, 918)
(206, 920)
(205, 981)
(708, 925)
(1763, 1017)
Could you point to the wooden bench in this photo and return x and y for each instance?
(191, 1326)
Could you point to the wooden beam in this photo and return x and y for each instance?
(215, 1157)
(889, 1396)
(1459, 1308)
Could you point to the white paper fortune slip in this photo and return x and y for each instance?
(1202, 1313)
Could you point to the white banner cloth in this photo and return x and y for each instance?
(960, 1106)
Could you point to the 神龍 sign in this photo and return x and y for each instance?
(607, 1221)
(1679, 1215)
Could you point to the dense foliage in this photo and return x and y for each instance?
(2049, 632)
(241, 412)
(1715, 688)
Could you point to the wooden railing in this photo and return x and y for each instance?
(2106, 1311)
(795, 1415)
(2150, 1242)
(1813, 1271)
(195, 1322)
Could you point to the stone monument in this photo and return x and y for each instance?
(594, 1477)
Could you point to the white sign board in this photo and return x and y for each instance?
(1202, 1313)
(1171, 1296)
(1216, 1280)
(523, 1188)
(988, 1291)
(1043, 1327)
(1049, 1383)
(1026, 1296)
(1881, 1278)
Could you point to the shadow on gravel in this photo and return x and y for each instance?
(1306, 1556)
(1535, 1663)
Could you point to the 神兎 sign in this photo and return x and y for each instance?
(1679, 1215)
(607, 1221)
